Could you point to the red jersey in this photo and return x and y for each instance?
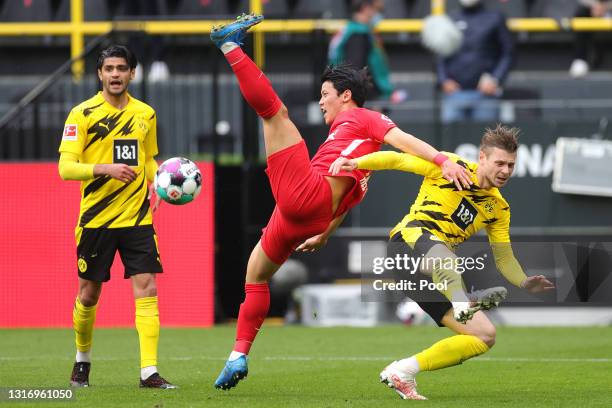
(353, 134)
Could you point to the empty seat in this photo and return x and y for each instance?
(557, 9)
(275, 8)
(320, 9)
(510, 8)
(26, 10)
(208, 8)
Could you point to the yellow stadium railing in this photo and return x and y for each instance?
(77, 28)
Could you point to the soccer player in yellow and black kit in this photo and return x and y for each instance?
(440, 219)
(109, 143)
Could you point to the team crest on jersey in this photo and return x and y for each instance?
(82, 265)
(489, 206)
(70, 132)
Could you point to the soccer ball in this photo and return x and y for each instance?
(178, 181)
(441, 35)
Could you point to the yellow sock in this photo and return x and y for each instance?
(147, 325)
(451, 351)
(83, 319)
(454, 283)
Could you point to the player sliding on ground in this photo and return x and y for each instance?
(440, 219)
(310, 202)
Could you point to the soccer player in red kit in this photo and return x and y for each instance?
(310, 202)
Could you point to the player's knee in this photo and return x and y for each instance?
(487, 335)
(88, 299)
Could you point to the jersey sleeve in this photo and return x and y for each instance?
(389, 160)
(150, 142)
(378, 125)
(499, 231)
(74, 135)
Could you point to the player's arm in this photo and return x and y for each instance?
(415, 146)
(73, 141)
(318, 241)
(506, 262)
(70, 169)
(151, 151)
(390, 160)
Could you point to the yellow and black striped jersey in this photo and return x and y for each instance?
(451, 215)
(99, 133)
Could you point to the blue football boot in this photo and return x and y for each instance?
(233, 372)
(236, 31)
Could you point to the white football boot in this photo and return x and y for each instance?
(403, 385)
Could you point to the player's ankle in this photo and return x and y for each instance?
(146, 372)
(83, 356)
(408, 367)
(234, 355)
(228, 47)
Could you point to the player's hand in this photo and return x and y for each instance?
(152, 193)
(456, 174)
(121, 172)
(537, 284)
(342, 164)
(313, 243)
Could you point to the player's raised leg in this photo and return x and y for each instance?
(83, 320)
(473, 338)
(279, 131)
(147, 325)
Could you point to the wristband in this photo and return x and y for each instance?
(440, 158)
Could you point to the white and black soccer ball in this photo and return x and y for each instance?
(441, 35)
(178, 181)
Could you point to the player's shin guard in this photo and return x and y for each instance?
(253, 312)
(254, 85)
(147, 325)
(451, 351)
(83, 319)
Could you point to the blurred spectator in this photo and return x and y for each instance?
(357, 44)
(471, 79)
(150, 49)
(583, 39)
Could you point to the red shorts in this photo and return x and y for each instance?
(303, 202)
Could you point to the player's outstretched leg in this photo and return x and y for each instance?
(473, 338)
(254, 85)
(279, 131)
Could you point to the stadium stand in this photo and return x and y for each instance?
(512, 8)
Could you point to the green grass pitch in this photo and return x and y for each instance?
(308, 367)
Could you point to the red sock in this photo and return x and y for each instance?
(254, 85)
(252, 313)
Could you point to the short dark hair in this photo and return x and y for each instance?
(502, 137)
(117, 51)
(344, 76)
